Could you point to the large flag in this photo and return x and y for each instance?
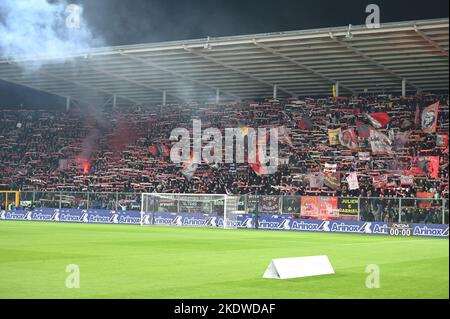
(305, 123)
(352, 181)
(349, 139)
(429, 165)
(332, 180)
(430, 117)
(379, 120)
(380, 143)
(284, 137)
(333, 136)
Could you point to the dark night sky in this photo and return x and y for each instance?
(121, 22)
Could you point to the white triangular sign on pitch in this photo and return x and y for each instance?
(271, 272)
(287, 268)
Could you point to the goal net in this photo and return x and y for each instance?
(207, 210)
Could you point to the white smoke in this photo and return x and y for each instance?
(43, 28)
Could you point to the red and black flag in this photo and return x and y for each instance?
(379, 120)
(430, 118)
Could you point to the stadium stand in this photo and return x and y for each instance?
(127, 149)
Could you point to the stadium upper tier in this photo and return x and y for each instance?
(297, 63)
(126, 149)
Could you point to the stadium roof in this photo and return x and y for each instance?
(298, 63)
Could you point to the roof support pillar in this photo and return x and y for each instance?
(67, 103)
(403, 87)
(114, 100)
(217, 96)
(275, 91)
(337, 88)
(164, 98)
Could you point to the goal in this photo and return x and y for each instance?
(212, 210)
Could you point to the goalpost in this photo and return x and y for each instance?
(216, 210)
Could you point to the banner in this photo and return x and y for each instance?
(352, 181)
(183, 219)
(348, 206)
(349, 139)
(252, 203)
(333, 136)
(74, 216)
(380, 143)
(309, 206)
(291, 204)
(269, 204)
(430, 118)
(424, 203)
(328, 208)
(244, 221)
(422, 230)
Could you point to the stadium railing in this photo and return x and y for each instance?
(376, 209)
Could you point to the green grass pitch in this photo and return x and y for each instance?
(165, 262)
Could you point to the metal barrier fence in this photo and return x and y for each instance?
(381, 209)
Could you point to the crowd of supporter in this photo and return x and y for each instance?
(127, 149)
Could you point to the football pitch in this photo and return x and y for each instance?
(167, 262)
